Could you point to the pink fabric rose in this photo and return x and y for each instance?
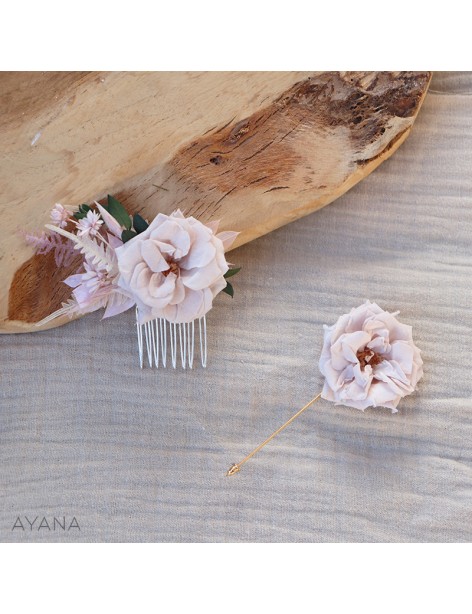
(369, 359)
(175, 268)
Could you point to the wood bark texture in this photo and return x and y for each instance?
(254, 150)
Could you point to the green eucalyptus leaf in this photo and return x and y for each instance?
(231, 272)
(84, 208)
(79, 215)
(126, 235)
(229, 289)
(139, 223)
(116, 209)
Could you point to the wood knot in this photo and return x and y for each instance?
(216, 160)
(238, 131)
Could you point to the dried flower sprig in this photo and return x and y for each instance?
(43, 244)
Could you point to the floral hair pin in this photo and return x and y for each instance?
(368, 359)
(170, 270)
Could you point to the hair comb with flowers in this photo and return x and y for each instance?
(170, 270)
(368, 360)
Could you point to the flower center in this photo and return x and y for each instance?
(173, 268)
(368, 357)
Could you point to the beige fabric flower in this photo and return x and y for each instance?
(369, 359)
(175, 268)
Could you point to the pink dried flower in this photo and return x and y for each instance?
(91, 288)
(44, 243)
(369, 359)
(59, 215)
(96, 287)
(89, 225)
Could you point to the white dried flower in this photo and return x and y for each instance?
(89, 225)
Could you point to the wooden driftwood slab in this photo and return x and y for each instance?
(254, 150)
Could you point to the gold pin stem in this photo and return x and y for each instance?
(237, 466)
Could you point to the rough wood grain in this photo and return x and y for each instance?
(255, 150)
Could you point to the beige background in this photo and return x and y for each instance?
(141, 455)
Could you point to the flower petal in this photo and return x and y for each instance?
(227, 237)
(110, 222)
(213, 226)
(172, 233)
(202, 277)
(202, 252)
(117, 303)
(189, 309)
(152, 256)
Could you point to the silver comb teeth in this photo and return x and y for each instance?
(158, 336)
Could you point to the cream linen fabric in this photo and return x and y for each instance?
(141, 455)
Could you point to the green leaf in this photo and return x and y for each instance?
(82, 212)
(231, 272)
(126, 235)
(139, 223)
(229, 289)
(116, 209)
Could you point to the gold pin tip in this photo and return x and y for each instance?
(233, 469)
